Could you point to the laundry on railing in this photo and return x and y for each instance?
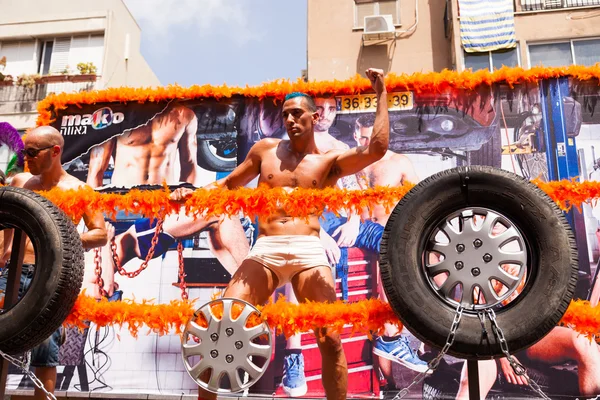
(487, 25)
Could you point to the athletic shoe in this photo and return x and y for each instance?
(400, 352)
(294, 382)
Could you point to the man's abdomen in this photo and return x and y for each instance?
(139, 166)
(289, 226)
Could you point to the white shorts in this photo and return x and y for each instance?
(286, 255)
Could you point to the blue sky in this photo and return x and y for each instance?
(233, 42)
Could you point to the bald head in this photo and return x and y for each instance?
(46, 135)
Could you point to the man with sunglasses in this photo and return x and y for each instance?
(43, 149)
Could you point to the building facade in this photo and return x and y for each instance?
(423, 35)
(64, 46)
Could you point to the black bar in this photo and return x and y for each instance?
(12, 290)
(473, 376)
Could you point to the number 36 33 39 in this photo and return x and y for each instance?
(368, 102)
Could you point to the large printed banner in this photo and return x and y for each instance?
(114, 147)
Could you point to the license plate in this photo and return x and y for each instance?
(368, 102)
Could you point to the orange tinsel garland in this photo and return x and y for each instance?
(365, 316)
(570, 193)
(433, 82)
(259, 201)
(263, 200)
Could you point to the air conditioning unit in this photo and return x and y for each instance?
(379, 27)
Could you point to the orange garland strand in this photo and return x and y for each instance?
(432, 82)
(260, 201)
(263, 200)
(365, 316)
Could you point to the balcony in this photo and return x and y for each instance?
(543, 5)
(17, 98)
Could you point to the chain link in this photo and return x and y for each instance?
(516, 366)
(99, 280)
(433, 364)
(182, 275)
(154, 242)
(25, 368)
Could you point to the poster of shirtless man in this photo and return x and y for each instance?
(179, 143)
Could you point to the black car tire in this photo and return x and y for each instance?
(210, 161)
(58, 273)
(552, 260)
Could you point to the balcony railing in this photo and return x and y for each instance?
(12, 93)
(540, 5)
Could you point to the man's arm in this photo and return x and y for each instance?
(248, 169)
(240, 176)
(188, 152)
(96, 235)
(354, 160)
(99, 159)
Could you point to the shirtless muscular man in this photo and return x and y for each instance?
(147, 155)
(298, 163)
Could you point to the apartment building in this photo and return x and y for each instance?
(347, 36)
(64, 46)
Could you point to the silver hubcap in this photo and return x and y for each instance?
(476, 257)
(226, 348)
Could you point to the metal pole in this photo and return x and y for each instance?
(473, 375)
(12, 290)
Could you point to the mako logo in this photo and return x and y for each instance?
(100, 119)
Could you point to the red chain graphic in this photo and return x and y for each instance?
(120, 269)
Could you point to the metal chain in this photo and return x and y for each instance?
(99, 280)
(153, 243)
(516, 366)
(25, 368)
(433, 364)
(182, 275)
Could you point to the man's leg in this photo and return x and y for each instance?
(44, 358)
(252, 282)
(294, 381)
(316, 284)
(127, 246)
(488, 371)
(391, 347)
(180, 225)
(563, 344)
(228, 243)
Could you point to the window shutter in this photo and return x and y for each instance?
(60, 55)
(389, 7)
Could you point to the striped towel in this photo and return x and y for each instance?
(487, 25)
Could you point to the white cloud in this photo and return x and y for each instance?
(229, 17)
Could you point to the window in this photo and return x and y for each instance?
(492, 59)
(363, 8)
(20, 57)
(535, 5)
(87, 48)
(53, 55)
(558, 54)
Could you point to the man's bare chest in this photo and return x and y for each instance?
(312, 171)
(159, 136)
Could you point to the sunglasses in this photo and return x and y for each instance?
(31, 152)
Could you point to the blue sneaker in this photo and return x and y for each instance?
(294, 382)
(400, 352)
